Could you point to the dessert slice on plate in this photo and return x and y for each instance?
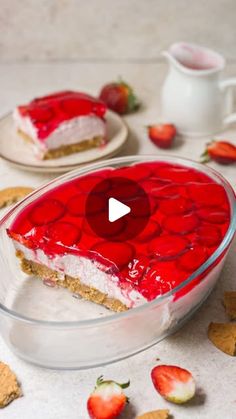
(189, 217)
(62, 123)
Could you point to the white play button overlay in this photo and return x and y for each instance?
(116, 209)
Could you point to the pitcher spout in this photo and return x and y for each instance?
(174, 63)
(193, 58)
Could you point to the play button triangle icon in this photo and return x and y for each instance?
(117, 209)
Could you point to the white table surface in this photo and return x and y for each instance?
(63, 395)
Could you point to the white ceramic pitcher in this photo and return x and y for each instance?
(194, 97)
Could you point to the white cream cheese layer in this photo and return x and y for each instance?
(87, 271)
(68, 132)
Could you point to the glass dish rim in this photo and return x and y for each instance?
(149, 304)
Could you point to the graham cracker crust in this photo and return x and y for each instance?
(74, 285)
(66, 150)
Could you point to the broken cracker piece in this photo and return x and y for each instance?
(230, 304)
(9, 387)
(223, 336)
(12, 195)
(155, 414)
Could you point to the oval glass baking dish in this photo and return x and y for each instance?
(48, 327)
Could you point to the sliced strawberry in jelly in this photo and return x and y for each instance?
(153, 283)
(63, 233)
(135, 173)
(209, 235)
(208, 194)
(77, 204)
(104, 228)
(122, 189)
(46, 211)
(136, 269)
(151, 230)
(75, 104)
(193, 258)
(96, 183)
(41, 114)
(213, 215)
(177, 174)
(167, 191)
(151, 184)
(178, 205)
(169, 246)
(72, 107)
(119, 253)
(180, 224)
(141, 206)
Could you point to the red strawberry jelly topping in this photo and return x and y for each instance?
(188, 220)
(181, 224)
(48, 112)
(143, 172)
(155, 283)
(209, 235)
(77, 204)
(151, 230)
(207, 194)
(46, 212)
(173, 206)
(213, 215)
(167, 246)
(137, 268)
(119, 253)
(177, 174)
(193, 258)
(62, 232)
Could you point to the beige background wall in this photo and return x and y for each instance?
(42, 30)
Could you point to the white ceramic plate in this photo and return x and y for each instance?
(15, 151)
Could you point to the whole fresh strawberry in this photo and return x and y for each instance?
(107, 400)
(222, 152)
(162, 135)
(119, 97)
(173, 383)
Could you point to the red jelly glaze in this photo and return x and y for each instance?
(189, 220)
(48, 112)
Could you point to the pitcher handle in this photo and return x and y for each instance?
(226, 86)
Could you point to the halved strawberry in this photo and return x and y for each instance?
(178, 205)
(209, 235)
(46, 211)
(192, 259)
(119, 253)
(41, 114)
(180, 224)
(119, 97)
(173, 383)
(222, 152)
(206, 194)
(63, 233)
(162, 135)
(213, 215)
(151, 230)
(168, 247)
(108, 400)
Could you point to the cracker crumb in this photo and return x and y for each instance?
(9, 196)
(223, 336)
(155, 414)
(9, 387)
(230, 304)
